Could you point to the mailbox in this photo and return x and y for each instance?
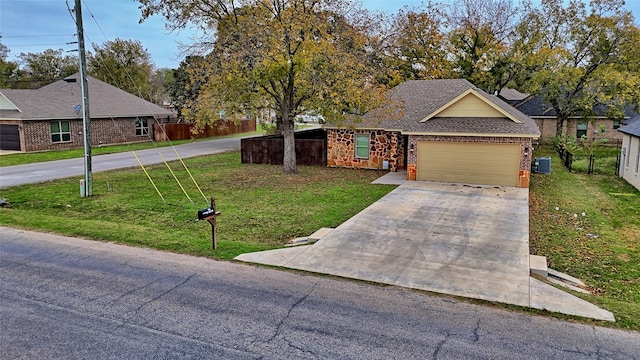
(205, 213)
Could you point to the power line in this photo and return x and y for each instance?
(43, 35)
(51, 44)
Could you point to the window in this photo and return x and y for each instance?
(616, 124)
(638, 157)
(362, 146)
(581, 129)
(142, 127)
(626, 155)
(60, 131)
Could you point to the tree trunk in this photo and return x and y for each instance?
(289, 161)
(559, 126)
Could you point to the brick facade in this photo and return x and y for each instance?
(36, 134)
(548, 129)
(383, 146)
(525, 152)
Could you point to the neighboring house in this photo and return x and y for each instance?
(51, 117)
(546, 119)
(630, 161)
(448, 131)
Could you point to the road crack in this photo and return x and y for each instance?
(282, 321)
(161, 295)
(439, 345)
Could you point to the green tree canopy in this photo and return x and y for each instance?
(125, 64)
(287, 55)
(8, 69)
(40, 69)
(583, 54)
(417, 46)
(481, 32)
(185, 86)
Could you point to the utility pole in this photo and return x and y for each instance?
(87, 189)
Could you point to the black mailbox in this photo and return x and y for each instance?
(205, 213)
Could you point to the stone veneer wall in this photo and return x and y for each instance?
(525, 152)
(383, 145)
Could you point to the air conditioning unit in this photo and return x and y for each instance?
(542, 165)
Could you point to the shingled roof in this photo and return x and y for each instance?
(633, 127)
(61, 100)
(534, 106)
(422, 99)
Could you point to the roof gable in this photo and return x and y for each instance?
(6, 104)
(471, 104)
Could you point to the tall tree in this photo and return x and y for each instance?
(481, 32)
(288, 55)
(160, 82)
(39, 69)
(584, 54)
(8, 69)
(417, 46)
(185, 87)
(125, 64)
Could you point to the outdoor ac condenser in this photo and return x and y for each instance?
(542, 165)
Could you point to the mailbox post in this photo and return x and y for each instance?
(210, 214)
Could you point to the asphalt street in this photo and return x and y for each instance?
(77, 299)
(51, 170)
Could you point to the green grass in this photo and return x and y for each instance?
(604, 161)
(607, 260)
(602, 165)
(262, 208)
(51, 155)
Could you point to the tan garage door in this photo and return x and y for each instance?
(469, 163)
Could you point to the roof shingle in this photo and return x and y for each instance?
(421, 98)
(59, 100)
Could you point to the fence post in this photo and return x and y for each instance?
(591, 164)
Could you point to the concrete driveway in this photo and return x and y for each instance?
(454, 239)
(470, 241)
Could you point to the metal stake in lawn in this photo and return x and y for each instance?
(210, 214)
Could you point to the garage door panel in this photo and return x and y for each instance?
(9, 137)
(471, 163)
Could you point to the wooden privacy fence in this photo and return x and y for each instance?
(185, 131)
(311, 149)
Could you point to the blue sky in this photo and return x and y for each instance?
(36, 25)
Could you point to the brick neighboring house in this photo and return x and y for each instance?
(546, 119)
(448, 131)
(50, 117)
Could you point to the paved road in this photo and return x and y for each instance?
(40, 172)
(76, 299)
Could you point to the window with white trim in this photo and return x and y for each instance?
(142, 127)
(362, 146)
(60, 131)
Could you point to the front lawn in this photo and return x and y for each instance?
(262, 208)
(601, 246)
